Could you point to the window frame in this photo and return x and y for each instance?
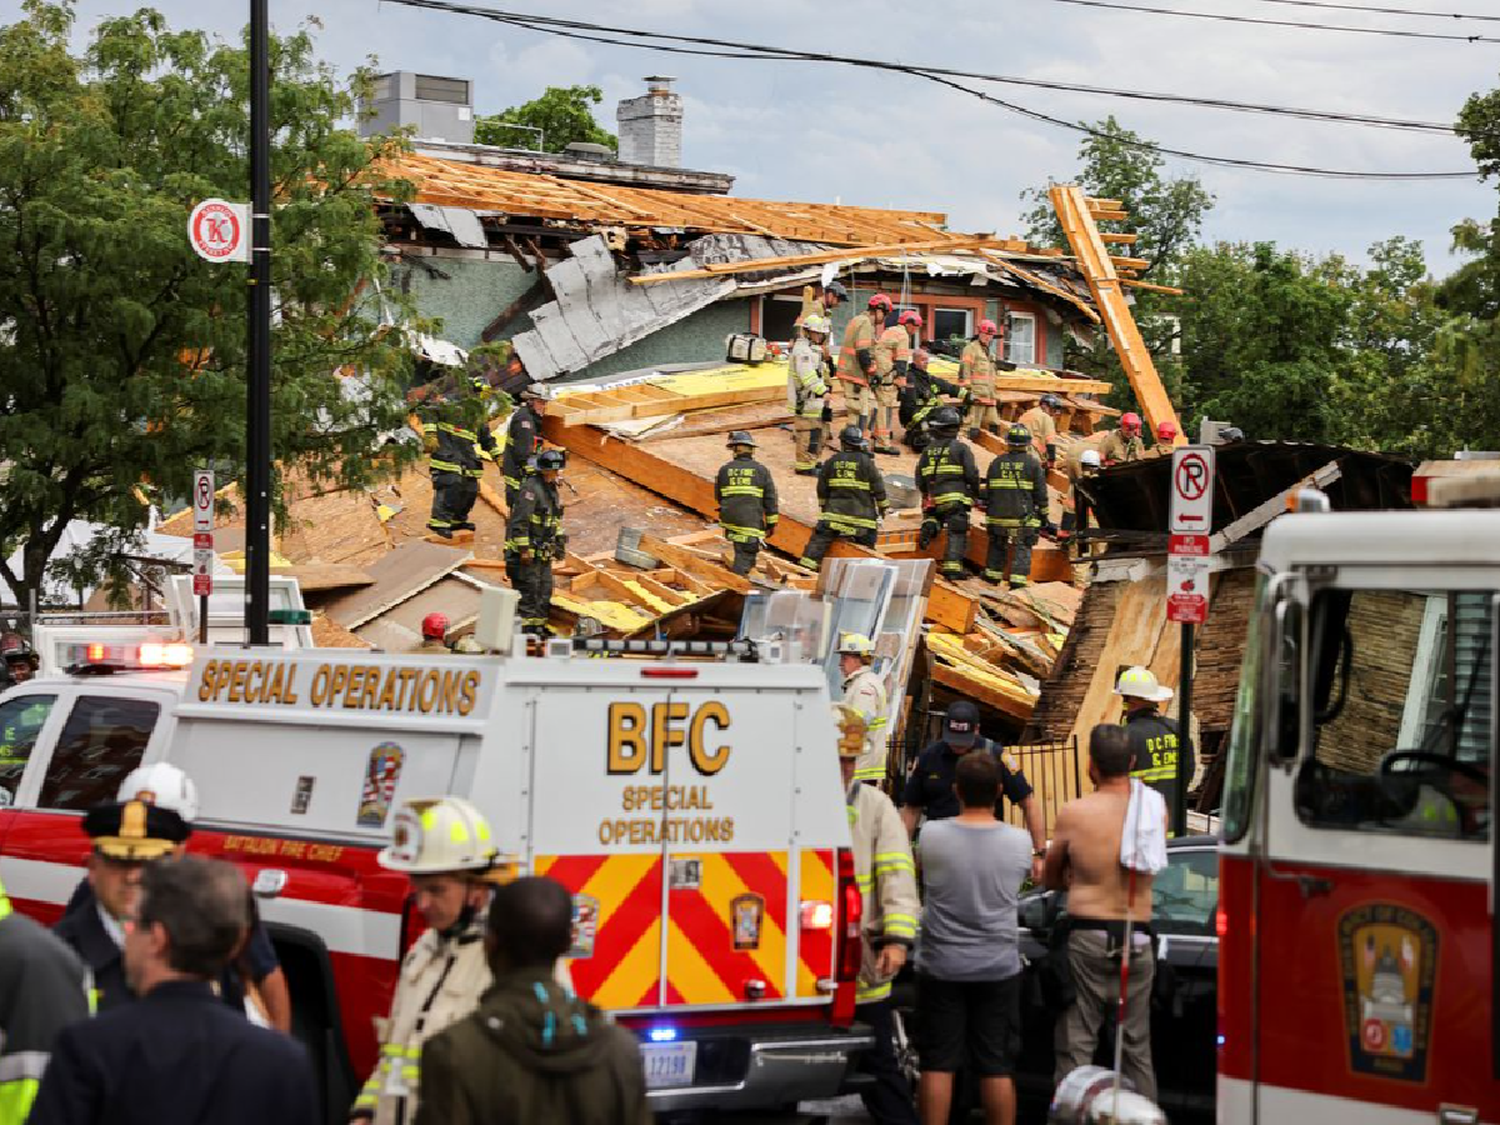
(42, 747)
(84, 697)
(965, 311)
(1011, 317)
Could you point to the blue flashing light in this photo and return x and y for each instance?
(663, 1034)
(1221, 1039)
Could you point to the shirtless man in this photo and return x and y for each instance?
(1084, 860)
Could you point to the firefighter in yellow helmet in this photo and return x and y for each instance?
(887, 880)
(445, 847)
(864, 694)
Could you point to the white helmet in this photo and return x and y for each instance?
(1089, 458)
(1140, 683)
(164, 785)
(436, 835)
(816, 323)
(855, 644)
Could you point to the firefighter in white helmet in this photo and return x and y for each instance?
(887, 880)
(446, 849)
(864, 691)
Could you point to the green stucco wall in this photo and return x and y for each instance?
(473, 294)
(694, 339)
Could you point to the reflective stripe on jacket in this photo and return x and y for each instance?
(856, 356)
(536, 518)
(864, 691)
(851, 492)
(746, 494)
(887, 880)
(455, 452)
(947, 474)
(976, 370)
(1016, 491)
(804, 381)
(892, 354)
(521, 441)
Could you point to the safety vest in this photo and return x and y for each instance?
(887, 881)
(947, 475)
(442, 979)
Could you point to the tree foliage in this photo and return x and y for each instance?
(562, 113)
(122, 354)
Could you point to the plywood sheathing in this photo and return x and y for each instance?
(454, 184)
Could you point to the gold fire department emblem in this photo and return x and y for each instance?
(1388, 956)
(747, 911)
(382, 772)
(585, 926)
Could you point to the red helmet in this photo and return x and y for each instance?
(911, 316)
(1166, 431)
(880, 301)
(435, 626)
(986, 326)
(1130, 422)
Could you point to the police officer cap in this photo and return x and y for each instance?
(945, 418)
(550, 460)
(135, 830)
(741, 437)
(851, 437)
(963, 724)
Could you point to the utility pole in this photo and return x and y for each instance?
(258, 333)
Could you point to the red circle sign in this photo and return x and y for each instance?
(1192, 476)
(215, 230)
(1374, 1035)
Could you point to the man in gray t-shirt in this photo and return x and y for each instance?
(968, 961)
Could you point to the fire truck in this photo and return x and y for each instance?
(1358, 949)
(692, 806)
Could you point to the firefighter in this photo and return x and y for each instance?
(43, 988)
(746, 496)
(821, 300)
(857, 361)
(949, 481)
(534, 538)
(1041, 420)
(892, 357)
(807, 393)
(864, 693)
(1124, 444)
(886, 876)
(1081, 463)
(434, 633)
(446, 850)
(976, 375)
(924, 395)
(1166, 440)
(851, 496)
(1155, 740)
(20, 731)
(1015, 490)
(21, 662)
(454, 436)
(522, 438)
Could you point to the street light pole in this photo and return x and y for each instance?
(258, 332)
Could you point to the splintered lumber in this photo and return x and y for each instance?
(962, 671)
(671, 395)
(1152, 287)
(1078, 223)
(1118, 237)
(684, 559)
(795, 261)
(1046, 286)
(1129, 263)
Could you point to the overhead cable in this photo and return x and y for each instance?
(1384, 11)
(1392, 32)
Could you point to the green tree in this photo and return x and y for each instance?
(563, 114)
(121, 353)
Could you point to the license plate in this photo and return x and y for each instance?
(669, 1064)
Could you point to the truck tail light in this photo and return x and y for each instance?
(850, 949)
(817, 915)
(1221, 923)
(667, 672)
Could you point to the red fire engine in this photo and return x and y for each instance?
(1358, 950)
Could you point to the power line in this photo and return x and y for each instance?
(1392, 32)
(723, 48)
(1384, 11)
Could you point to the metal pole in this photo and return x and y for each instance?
(1185, 726)
(258, 351)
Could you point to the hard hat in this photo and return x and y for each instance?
(1231, 433)
(880, 301)
(1089, 458)
(856, 644)
(1139, 682)
(852, 730)
(13, 646)
(1052, 402)
(1130, 421)
(740, 437)
(986, 326)
(164, 785)
(1166, 431)
(532, 390)
(851, 437)
(433, 836)
(435, 625)
(1017, 436)
(945, 418)
(911, 316)
(550, 460)
(816, 323)
(837, 289)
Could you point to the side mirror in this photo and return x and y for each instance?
(1281, 686)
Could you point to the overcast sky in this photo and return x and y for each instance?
(800, 131)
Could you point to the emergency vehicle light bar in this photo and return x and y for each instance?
(664, 648)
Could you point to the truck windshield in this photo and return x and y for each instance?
(1239, 776)
(1401, 691)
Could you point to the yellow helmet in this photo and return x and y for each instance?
(1140, 683)
(436, 835)
(816, 323)
(856, 644)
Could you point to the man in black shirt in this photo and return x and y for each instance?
(929, 787)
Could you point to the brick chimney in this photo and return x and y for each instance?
(651, 125)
